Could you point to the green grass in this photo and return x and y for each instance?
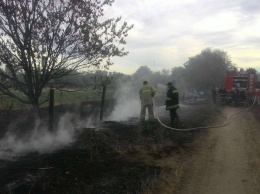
(60, 97)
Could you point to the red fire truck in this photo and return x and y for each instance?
(240, 87)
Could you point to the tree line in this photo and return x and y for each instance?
(54, 43)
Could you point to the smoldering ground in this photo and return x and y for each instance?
(92, 161)
(40, 139)
(19, 140)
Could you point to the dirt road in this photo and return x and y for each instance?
(227, 160)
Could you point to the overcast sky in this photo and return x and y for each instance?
(167, 32)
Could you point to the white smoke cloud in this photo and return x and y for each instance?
(40, 139)
(127, 103)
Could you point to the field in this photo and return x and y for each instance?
(61, 97)
(114, 157)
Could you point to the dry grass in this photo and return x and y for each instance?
(252, 137)
(167, 155)
(167, 182)
(156, 154)
(171, 178)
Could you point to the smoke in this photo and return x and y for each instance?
(127, 102)
(40, 139)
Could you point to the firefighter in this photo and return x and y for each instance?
(222, 94)
(249, 96)
(235, 96)
(214, 92)
(172, 103)
(146, 94)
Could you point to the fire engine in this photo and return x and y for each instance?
(240, 87)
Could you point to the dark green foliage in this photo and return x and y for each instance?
(207, 69)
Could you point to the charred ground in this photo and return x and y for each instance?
(119, 157)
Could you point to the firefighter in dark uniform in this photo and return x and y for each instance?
(172, 103)
(222, 94)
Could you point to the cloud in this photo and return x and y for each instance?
(250, 7)
(167, 33)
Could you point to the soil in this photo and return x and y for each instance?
(119, 157)
(227, 161)
(123, 157)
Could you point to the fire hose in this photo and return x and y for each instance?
(208, 127)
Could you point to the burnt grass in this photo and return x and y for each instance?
(256, 111)
(98, 160)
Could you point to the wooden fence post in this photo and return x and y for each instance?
(51, 107)
(104, 87)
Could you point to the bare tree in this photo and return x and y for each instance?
(41, 40)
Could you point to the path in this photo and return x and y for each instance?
(228, 160)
